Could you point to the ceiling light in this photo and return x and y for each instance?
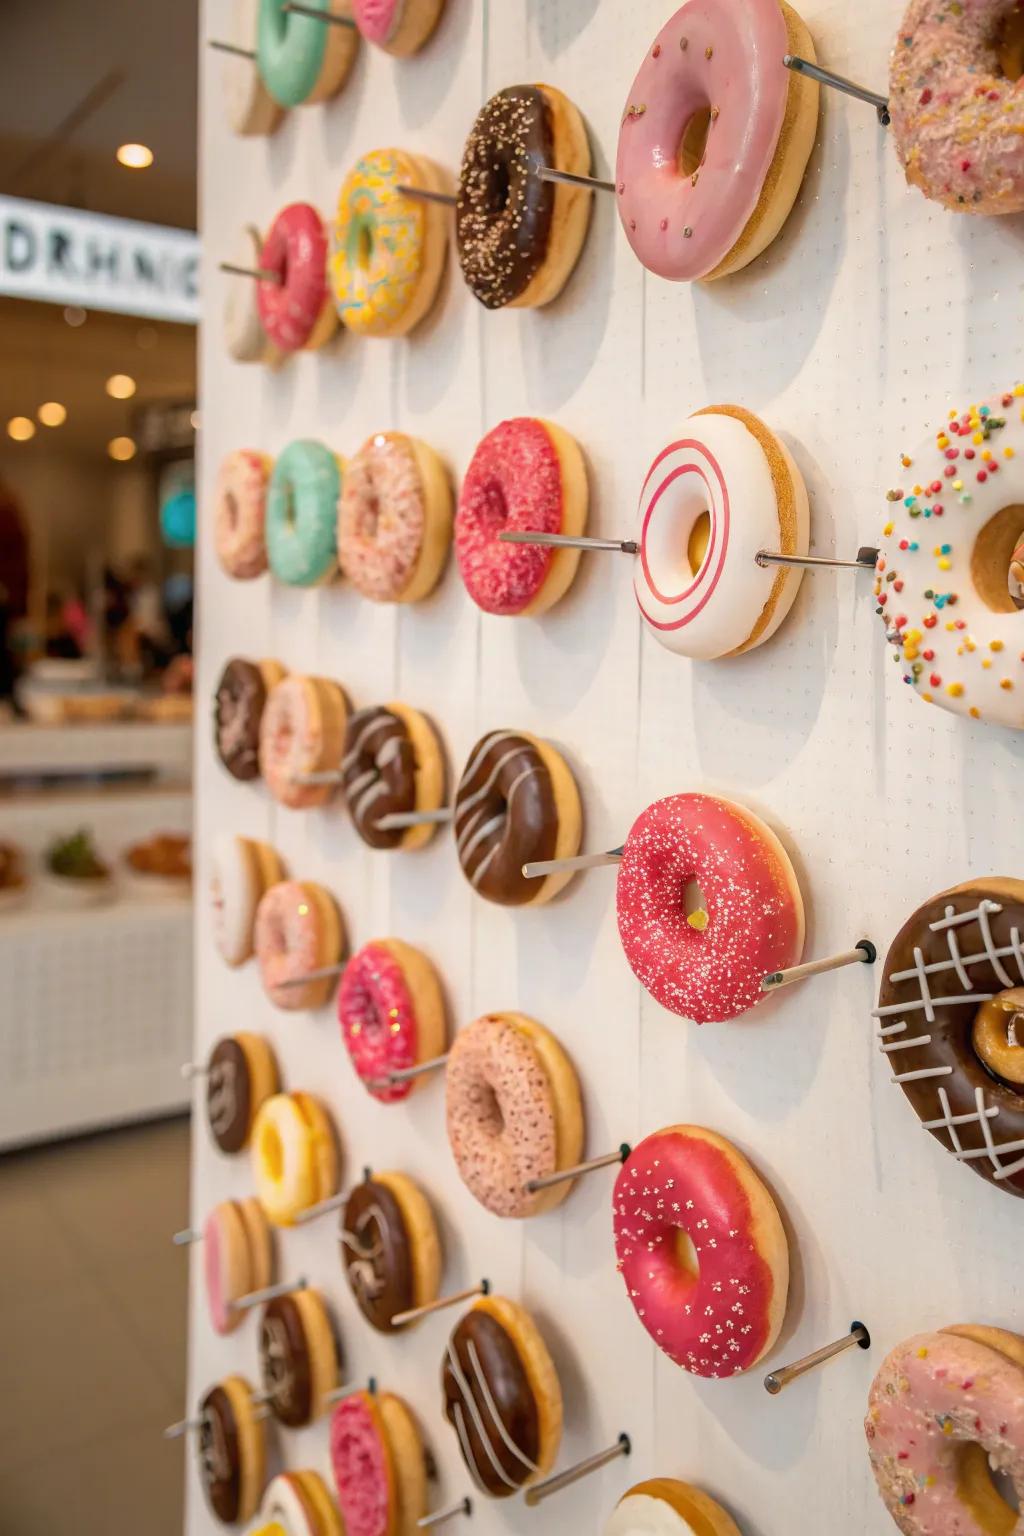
(137, 157)
(75, 315)
(21, 429)
(120, 386)
(52, 414)
(121, 448)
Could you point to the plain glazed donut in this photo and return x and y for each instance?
(394, 519)
(942, 1409)
(244, 336)
(715, 138)
(239, 703)
(519, 237)
(393, 765)
(516, 803)
(295, 305)
(943, 577)
(242, 870)
(947, 1015)
(252, 111)
(241, 1074)
(302, 513)
(400, 27)
(708, 964)
(712, 501)
(302, 732)
(298, 930)
(390, 1249)
(294, 1156)
(388, 249)
(512, 1104)
(232, 1451)
(526, 476)
(303, 60)
(720, 1314)
(237, 1259)
(665, 1507)
(379, 1465)
(392, 1016)
(239, 506)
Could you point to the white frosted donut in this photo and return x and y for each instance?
(666, 1507)
(244, 336)
(640, 1515)
(284, 1507)
(251, 110)
(241, 869)
(945, 585)
(724, 491)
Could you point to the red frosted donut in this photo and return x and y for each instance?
(295, 307)
(722, 1314)
(707, 965)
(527, 476)
(391, 1014)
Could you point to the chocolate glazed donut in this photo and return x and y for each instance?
(377, 1255)
(285, 1365)
(489, 1400)
(504, 212)
(238, 708)
(957, 953)
(506, 816)
(378, 773)
(220, 1457)
(228, 1096)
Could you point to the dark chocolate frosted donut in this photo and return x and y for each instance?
(504, 214)
(376, 1249)
(489, 1399)
(229, 1107)
(231, 1450)
(238, 709)
(955, 956)
(506, 815)
(379, 773)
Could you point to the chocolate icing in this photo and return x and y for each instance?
(379, 769)
(483, 1376)
(505, 817)
(286, 1368)
(504, 211)
(228, 1095)
(238, 707)
(220, 1456)
(377, 1253)
(957, 1083)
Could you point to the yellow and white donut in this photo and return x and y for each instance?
(294, 1155)
(944, 586)
(665, 1507)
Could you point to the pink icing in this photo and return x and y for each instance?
(377, 1014)
(296, 249)
(239, 505)
(514, 482)
(715, 1323)
(378, 20)
(381, 518)
(711, 54)
(360, 1462)
(958, 121)
(222, 1316)
(288, 940)
(754, 925)
(935, 1393)
(291, 743)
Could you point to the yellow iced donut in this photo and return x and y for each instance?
(294, 1154)
(387, 249)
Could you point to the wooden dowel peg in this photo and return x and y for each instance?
(866, 560)
(323, 776)
(233, 48)
(429, 195)
(541, 1491)
(328, 17)
(340, 1393)
(401, 1318)
(532, 1186)
(190, 1069)
(270, 1293)
(591, 183)
(183, 1427)
(581, 861)
(864, 953)
(260, 274)
(320, 975)
(568, 541)
(406, 1074)
(190, 1235)
(321, 1208)
(858, 1334)
(839, 83)
(399, 819)
(463, 1507)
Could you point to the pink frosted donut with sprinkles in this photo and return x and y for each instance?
(957, 114)
(392, 1016)
(239, 511)
(718, 1313)
(706, 959)
(394, 519)
(944, 585)
(715, 138)
(400, 27)
(298, 934)
(527, 476)
(295, 303)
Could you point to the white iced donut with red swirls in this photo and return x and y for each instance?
(298, 931)
(239, 508)
(399, 27)
(295, 304)
(722, 1315)
(713, 500)
(706, 964)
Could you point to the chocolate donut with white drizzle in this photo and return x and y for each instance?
(392, 765)
(238, 709)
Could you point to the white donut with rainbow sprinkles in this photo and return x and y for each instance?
(943, 584)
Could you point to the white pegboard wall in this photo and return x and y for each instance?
(869, 315)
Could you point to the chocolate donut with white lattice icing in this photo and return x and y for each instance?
(951, 1021)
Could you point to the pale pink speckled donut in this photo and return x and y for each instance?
(298, 931)
(398, 26)
(394, 519)
(239, 505)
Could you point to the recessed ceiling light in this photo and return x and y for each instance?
(52, 414)
(21, 429)
(120, 386)
(137, 157)
(121, 448)
(75, 315)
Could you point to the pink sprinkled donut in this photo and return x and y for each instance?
(400, 27)
(239, 505)
(707, 965)
(391, 1014)
(237, 1259)
(721, 1315)
(295, 305)
(298, 930)
(526, 476)
(394, 519)
(377, 1459)
(957, 119)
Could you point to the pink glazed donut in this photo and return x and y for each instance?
(296, 307)
(722, 1314)
(715, 138)
(298, 930)
(391, 1014)
(708, 964)
(239, 504)
(399, 27)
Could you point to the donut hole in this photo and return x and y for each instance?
(988, 1494)
(231, 508)
(693, 146)
(1010, 44)
(489, 1111)
(992, 557)
(289, 509)
(679, 534)
(364, 247)
(494, 511)
(697, 543)
(273, 1153)
(499, 188)
(695, 906)
(686, 1254)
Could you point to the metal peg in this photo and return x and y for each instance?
(428, 195)
(183, 1427)
(571, 179)
(270, 1292)
(839, 83)
(864, 953)
(314, 15)
(320, 975)
(867, 559)
(858, 1334)
(532, 1186)
(189, 1235)
(568, 541)
(190, 1069)
(221, 47)
(401, 1318)
(406, 1074)
(340, 1393)
(399, 819)
(322, 776)
(261, 274)
(463, 1507)
(582, 861)
(320, 1209)
(541, 1491)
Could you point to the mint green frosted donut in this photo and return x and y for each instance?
(291, 51)
(302, 514)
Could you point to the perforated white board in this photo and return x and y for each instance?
(871, 314)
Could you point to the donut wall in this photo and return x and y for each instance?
(871, 317)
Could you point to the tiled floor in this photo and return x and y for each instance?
(92, 1358)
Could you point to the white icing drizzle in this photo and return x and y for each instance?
(480, 835)
(492, 1408)
(472, 800)
(370, 728)
(222, 1102)
(478, 1423)
(913, 1077)
(482, 867)
(467, 1454)
(366, 1282)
